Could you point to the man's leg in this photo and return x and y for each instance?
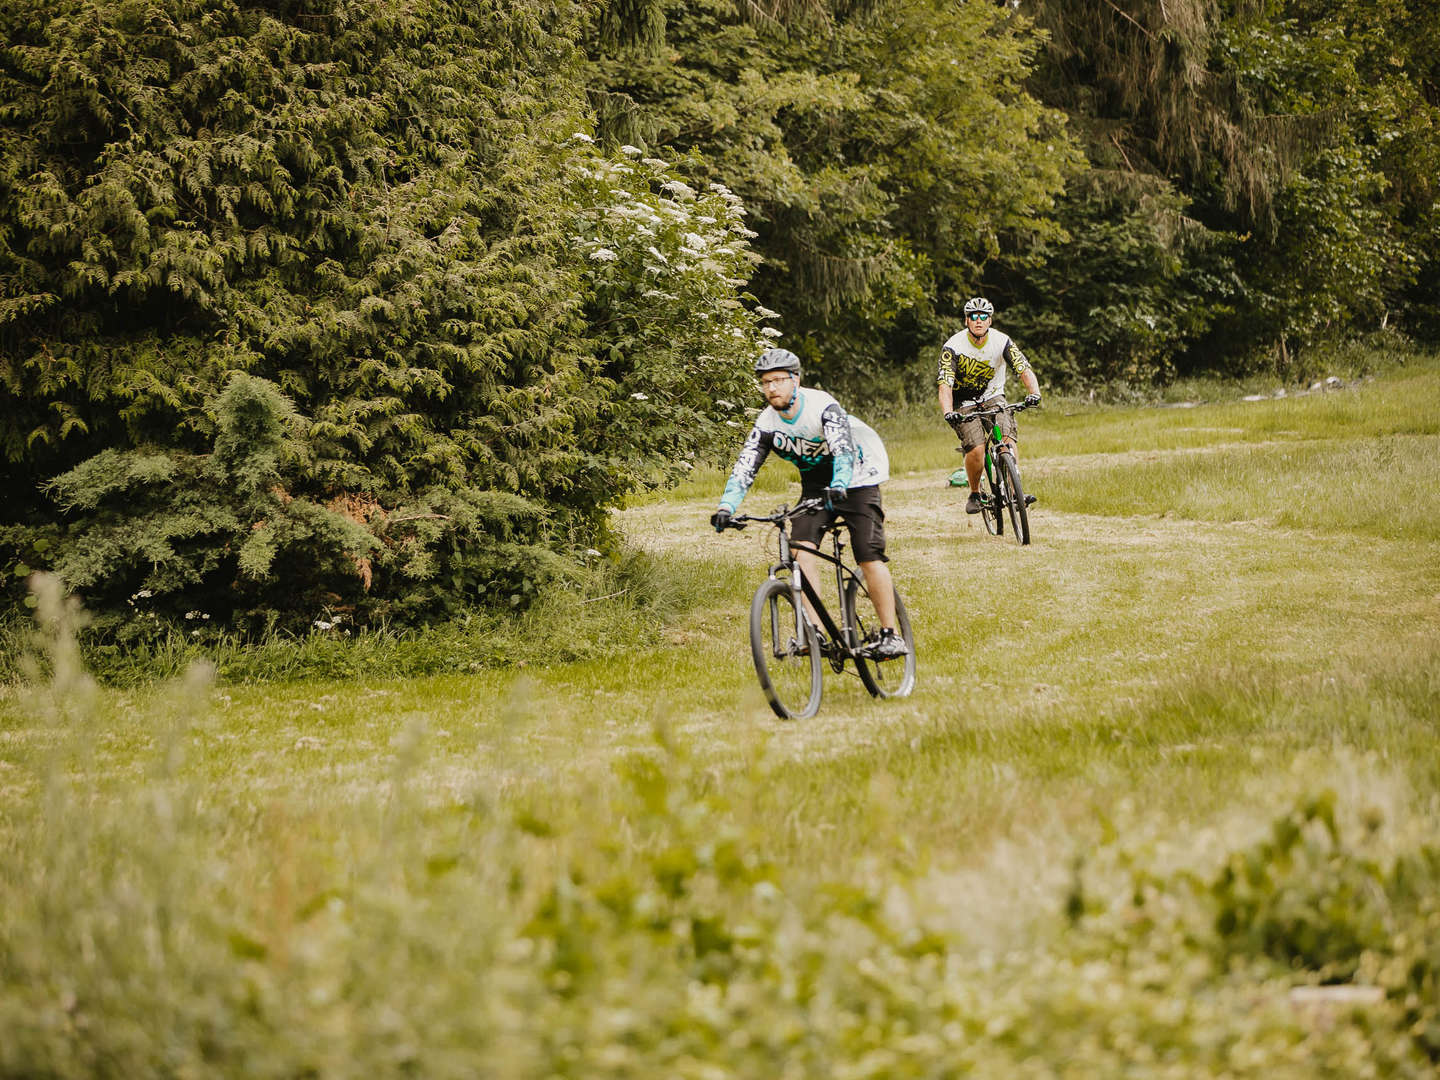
(975, 465)
(882, 592)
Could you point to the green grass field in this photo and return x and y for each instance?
(1161, 805)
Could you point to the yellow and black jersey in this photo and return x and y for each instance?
(977, 373)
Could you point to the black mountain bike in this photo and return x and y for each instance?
(790, 651)
(1005, 498)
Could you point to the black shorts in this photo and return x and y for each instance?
(863, 515)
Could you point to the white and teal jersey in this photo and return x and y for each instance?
(828, 446)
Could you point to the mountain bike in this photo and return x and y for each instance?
(790, 651)
(1005, 497)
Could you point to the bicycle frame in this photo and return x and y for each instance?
(839, 642)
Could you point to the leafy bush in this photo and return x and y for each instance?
(382, 218)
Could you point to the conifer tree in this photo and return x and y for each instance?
(377, 214)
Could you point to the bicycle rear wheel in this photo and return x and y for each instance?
(786, 651)
(883, 678)
(1015, 499)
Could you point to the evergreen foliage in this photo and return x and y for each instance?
(373, 211)
(1253, 165)
(882, 149)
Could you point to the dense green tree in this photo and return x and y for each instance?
(884, 150)
(1258, 181)
(382, 216)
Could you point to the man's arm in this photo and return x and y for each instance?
(946, 381)
(947, 399)
(841, 441)
(747, 465)
(1021, 366)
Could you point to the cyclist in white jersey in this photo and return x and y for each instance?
(841, 461)
(972, 376)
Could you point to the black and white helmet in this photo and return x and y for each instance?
(978, 305)
(777, 360)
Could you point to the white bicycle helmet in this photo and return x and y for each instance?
(979, 305)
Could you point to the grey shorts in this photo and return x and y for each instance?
(863, 516)
(973, 432)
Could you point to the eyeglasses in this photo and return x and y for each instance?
(978, 316)
(774, 381)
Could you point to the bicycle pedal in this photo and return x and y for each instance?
(1029, 500)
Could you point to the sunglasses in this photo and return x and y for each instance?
(978, 316)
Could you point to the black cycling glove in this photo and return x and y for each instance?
(834, 496)
(720, 520)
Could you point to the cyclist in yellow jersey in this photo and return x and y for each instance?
(973, 364)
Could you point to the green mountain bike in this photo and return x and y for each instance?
(790, 651)
(1001, 495)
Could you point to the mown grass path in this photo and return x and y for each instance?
(628, 866)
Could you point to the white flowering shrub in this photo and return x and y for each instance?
(672, 332)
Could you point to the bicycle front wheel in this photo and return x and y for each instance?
(786, 651)
(993, 512)
(883, 678)
(1015, 499)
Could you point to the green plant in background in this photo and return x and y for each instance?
(378, 214)
(1268, 166)
(639, 922)
(880, 155)
(670, 332)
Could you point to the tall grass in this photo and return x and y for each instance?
(616, 606)
(1162, 803)
(676, 919)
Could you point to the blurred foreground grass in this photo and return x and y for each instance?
(1161, 805)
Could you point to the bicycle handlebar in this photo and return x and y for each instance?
(785, 513)
(997, 410)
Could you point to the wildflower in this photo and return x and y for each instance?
(630, 151)
(639, 397)
(580, 136)
(603, 255)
